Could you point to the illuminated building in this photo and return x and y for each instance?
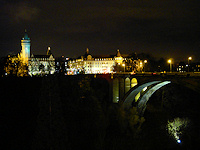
(118, 58)
(23, 64)
(181, 67)
(37, 64)
(26, 44)
(92, 65)
(88, 64)
(41, 64)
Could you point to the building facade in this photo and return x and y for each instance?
(41, 64)
(93, 65)
(87, 64)
(37, 64)
(25, 52)
(24, 63)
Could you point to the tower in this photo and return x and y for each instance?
(49, 51)
(118, 58)
(26, 44)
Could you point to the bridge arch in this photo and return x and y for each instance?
(127, 84)
(141, 95)
(120, 86)
(134, 82)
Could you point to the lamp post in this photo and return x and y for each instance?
(141, 66)
(189, 59)
(170, 64)
(145, 61)
(123, 66)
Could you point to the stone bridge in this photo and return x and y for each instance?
(138, 88)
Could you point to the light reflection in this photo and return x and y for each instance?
(144, 89)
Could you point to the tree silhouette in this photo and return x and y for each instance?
(14, 66)
(51, 132)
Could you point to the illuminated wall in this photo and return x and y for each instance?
(133, 82)
(25, 44)
(41, 65)
(92, 65)
(100, 65)
(127, 85)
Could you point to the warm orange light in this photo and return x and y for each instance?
(169, 61)
(145, 61)
(189, 58)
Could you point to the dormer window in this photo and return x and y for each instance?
(89, 57)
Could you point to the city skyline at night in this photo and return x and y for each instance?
(166, 29)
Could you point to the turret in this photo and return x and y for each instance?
(118, 57)
(26, 44)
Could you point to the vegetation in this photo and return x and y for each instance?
(176, 127)
(74, 112)
(14, 66)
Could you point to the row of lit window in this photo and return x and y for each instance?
(99, 62)
(97, 66)
(97, 59)
(40, 59)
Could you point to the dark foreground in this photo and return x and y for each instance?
(75, 113)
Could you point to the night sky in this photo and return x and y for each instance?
(162, 28)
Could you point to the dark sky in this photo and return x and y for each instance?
(162, 28)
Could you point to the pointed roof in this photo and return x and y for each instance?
(118, 53)
(25, 36)
(87, 50)
(87, 53)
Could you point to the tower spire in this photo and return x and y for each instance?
(118, 53)
(87, 50)
(25, 43)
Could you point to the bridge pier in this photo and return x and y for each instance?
(120, 85)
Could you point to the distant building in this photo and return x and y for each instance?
(24, 64)
(193, 67)
(25, 52)
(41, 64)
(88, 64)
(182, 67)
(197, 67)
(37, 64)
(61, 64)
(92, 65)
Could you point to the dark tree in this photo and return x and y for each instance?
(51, 130)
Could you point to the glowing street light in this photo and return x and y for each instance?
(123, 66)
(145, 61)
(189, 59)
(170, 64)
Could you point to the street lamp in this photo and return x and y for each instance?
(145, 61)
(170, 64)
(189, 59)
(141, 66)
(123, 66)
